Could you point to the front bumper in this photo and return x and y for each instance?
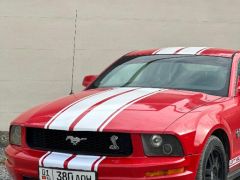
(24, 162)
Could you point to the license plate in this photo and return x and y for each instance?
(61, 174)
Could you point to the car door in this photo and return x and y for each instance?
(232, 117)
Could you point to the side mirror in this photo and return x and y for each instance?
(87, 80)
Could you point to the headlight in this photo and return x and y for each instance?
(15, 135)
(161, 145)
(156, 141)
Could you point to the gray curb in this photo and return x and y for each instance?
(3, 143)
(3, 138)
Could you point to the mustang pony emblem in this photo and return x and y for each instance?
(75, 140)
(114, 145)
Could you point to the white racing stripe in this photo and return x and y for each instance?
(170, 50)
(191, 50)
(65, 108)
(95, 118)
(120, 110)
(98, 162)
(43, 157)
(65, 118)
(55, 160)
(81, 162)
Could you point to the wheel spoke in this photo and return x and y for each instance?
(211, 160)
(213, 164)
(217, 163)
(208, 173)
(214, 167)
(215, 177)
(208, 178)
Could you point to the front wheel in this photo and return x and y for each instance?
(213, 162)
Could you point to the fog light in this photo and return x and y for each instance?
(167, 149)
(164, 172)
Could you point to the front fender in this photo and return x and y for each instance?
(194, 128)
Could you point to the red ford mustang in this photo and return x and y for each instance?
(171, 113)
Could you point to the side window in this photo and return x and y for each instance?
(238, 75)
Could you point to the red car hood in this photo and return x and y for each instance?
(118, 109)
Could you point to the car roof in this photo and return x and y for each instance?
(204, 51)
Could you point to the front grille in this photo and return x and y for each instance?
(92, 143)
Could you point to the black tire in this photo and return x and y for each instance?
(213, 163)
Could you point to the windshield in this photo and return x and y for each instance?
(206, 74)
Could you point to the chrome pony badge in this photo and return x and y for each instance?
(75, 140)
(114, 145)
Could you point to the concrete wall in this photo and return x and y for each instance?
(36, 40)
